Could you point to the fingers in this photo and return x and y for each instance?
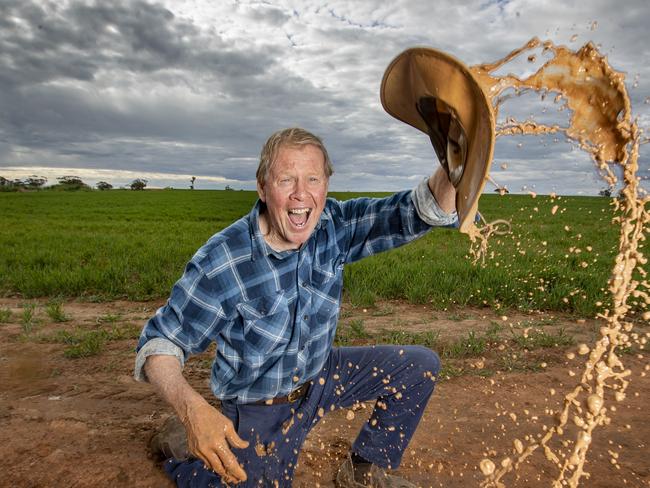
(212, 461)
(222, 461)
(234, 439)
(225, 464)
(231, 464)
(210, 435)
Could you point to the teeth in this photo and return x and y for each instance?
(298, 210)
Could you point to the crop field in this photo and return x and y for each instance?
(133, 245)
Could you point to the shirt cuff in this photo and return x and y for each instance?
(427, 207)
(157, 346)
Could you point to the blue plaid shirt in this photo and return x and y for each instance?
(273, 315)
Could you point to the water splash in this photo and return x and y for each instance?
(601, 123)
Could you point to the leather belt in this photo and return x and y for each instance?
(294, 396)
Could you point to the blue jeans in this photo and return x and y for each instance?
(400, 378)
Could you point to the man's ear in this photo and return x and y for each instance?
(260, 192)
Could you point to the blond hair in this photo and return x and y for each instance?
(292, 137)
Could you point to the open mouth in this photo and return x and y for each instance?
(299, 216)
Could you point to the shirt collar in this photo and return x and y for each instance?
(259, 247)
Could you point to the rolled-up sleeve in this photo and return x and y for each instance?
(428, 209)
(186, 324)
(154, 347)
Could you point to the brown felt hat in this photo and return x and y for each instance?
(437, 94)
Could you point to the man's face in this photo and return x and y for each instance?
(294, 192)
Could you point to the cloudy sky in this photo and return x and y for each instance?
(116, 90)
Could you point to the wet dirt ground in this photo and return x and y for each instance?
(85, 422)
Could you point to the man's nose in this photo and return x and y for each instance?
(300, 188)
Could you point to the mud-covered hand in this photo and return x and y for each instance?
(210, 435)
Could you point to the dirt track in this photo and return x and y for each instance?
(85, 422)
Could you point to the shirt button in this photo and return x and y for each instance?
(304, 284)
(305, 317)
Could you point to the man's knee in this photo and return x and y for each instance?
(424, 359)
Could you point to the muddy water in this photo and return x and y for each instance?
(601, 123)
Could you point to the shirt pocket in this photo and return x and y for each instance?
(328, 280)
(326, 313)
(266, 323)
(326, 272)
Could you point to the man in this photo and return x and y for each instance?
(267, 290)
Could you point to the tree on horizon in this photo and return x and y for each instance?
(138, 184)
(103, 185)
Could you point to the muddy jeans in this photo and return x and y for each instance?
(400, 378)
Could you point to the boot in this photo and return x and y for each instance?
(170, 441)
(367, 475)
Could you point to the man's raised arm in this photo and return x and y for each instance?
(443, 191)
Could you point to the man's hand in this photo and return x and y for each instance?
(210, 435)
(443, 191)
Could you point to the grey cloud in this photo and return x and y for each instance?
(269, 14)
(104, 44)
(78, 40)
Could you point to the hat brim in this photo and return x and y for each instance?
(426, 72)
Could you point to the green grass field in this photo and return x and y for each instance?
(134, 245)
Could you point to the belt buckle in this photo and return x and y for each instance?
(294, 395)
